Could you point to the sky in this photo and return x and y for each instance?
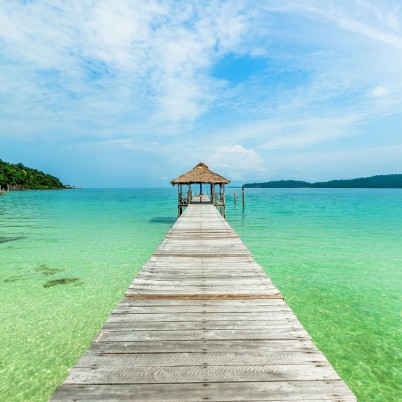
(133, 93)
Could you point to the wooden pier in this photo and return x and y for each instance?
(202, 322)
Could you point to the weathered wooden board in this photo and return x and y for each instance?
(307, 391)
(228, 334)
(251, 305)
(192, 308)
(204, 296)
(199, 359)
(205, 346)
(116, 325)
(200, 373)
(180, 316)
(202, 321)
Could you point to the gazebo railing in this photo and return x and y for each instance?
(219, 199)
(183, 200)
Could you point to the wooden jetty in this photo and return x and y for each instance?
(202, 322)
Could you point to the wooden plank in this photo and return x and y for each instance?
(100, 360)
(330, 391)
(202, 373)
(113, 325)
(221, 304)
(131, 308)
(264, 334)
(204, 296)
(192, 254)
(205, 282)
(205, 346)
(193, 316)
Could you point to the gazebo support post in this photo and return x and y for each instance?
(223, 201)
(189, 195)
(179, 208)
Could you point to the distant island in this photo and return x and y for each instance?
(20, 177)
(380, 181)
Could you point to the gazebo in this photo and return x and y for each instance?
(200, 174)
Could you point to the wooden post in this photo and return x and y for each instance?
(179, 208)
(188, 194)
(242, 195)
(234, 197)
(223, 201)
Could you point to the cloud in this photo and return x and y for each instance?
(379, 91)
(307, 132)
(237, 160)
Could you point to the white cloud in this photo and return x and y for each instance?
(306, 132)
(236, 160)
(379, 91)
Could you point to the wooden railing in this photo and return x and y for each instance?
(219, 199)
(183, 200)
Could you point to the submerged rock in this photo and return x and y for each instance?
(62, 281)
(45, 270)
(6, 239)
(14, 278)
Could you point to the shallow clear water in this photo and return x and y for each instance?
(66, 258)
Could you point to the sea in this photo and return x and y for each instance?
(67, 257)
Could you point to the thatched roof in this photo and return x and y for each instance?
(200, 174)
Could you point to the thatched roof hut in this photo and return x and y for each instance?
(200, 174)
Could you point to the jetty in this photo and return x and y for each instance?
(202, 322)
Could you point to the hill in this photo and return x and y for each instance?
(20, 177)
(380, 181)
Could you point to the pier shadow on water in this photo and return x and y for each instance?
(168, 220)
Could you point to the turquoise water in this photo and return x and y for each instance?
(68, 256)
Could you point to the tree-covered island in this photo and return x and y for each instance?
(380, 181)
(20, 177)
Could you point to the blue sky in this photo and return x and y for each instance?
(133, 93)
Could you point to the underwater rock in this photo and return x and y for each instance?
(6, 239)
(14, 278)
(45, 270)
(62, 281)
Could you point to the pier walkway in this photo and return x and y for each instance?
(202, 322)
